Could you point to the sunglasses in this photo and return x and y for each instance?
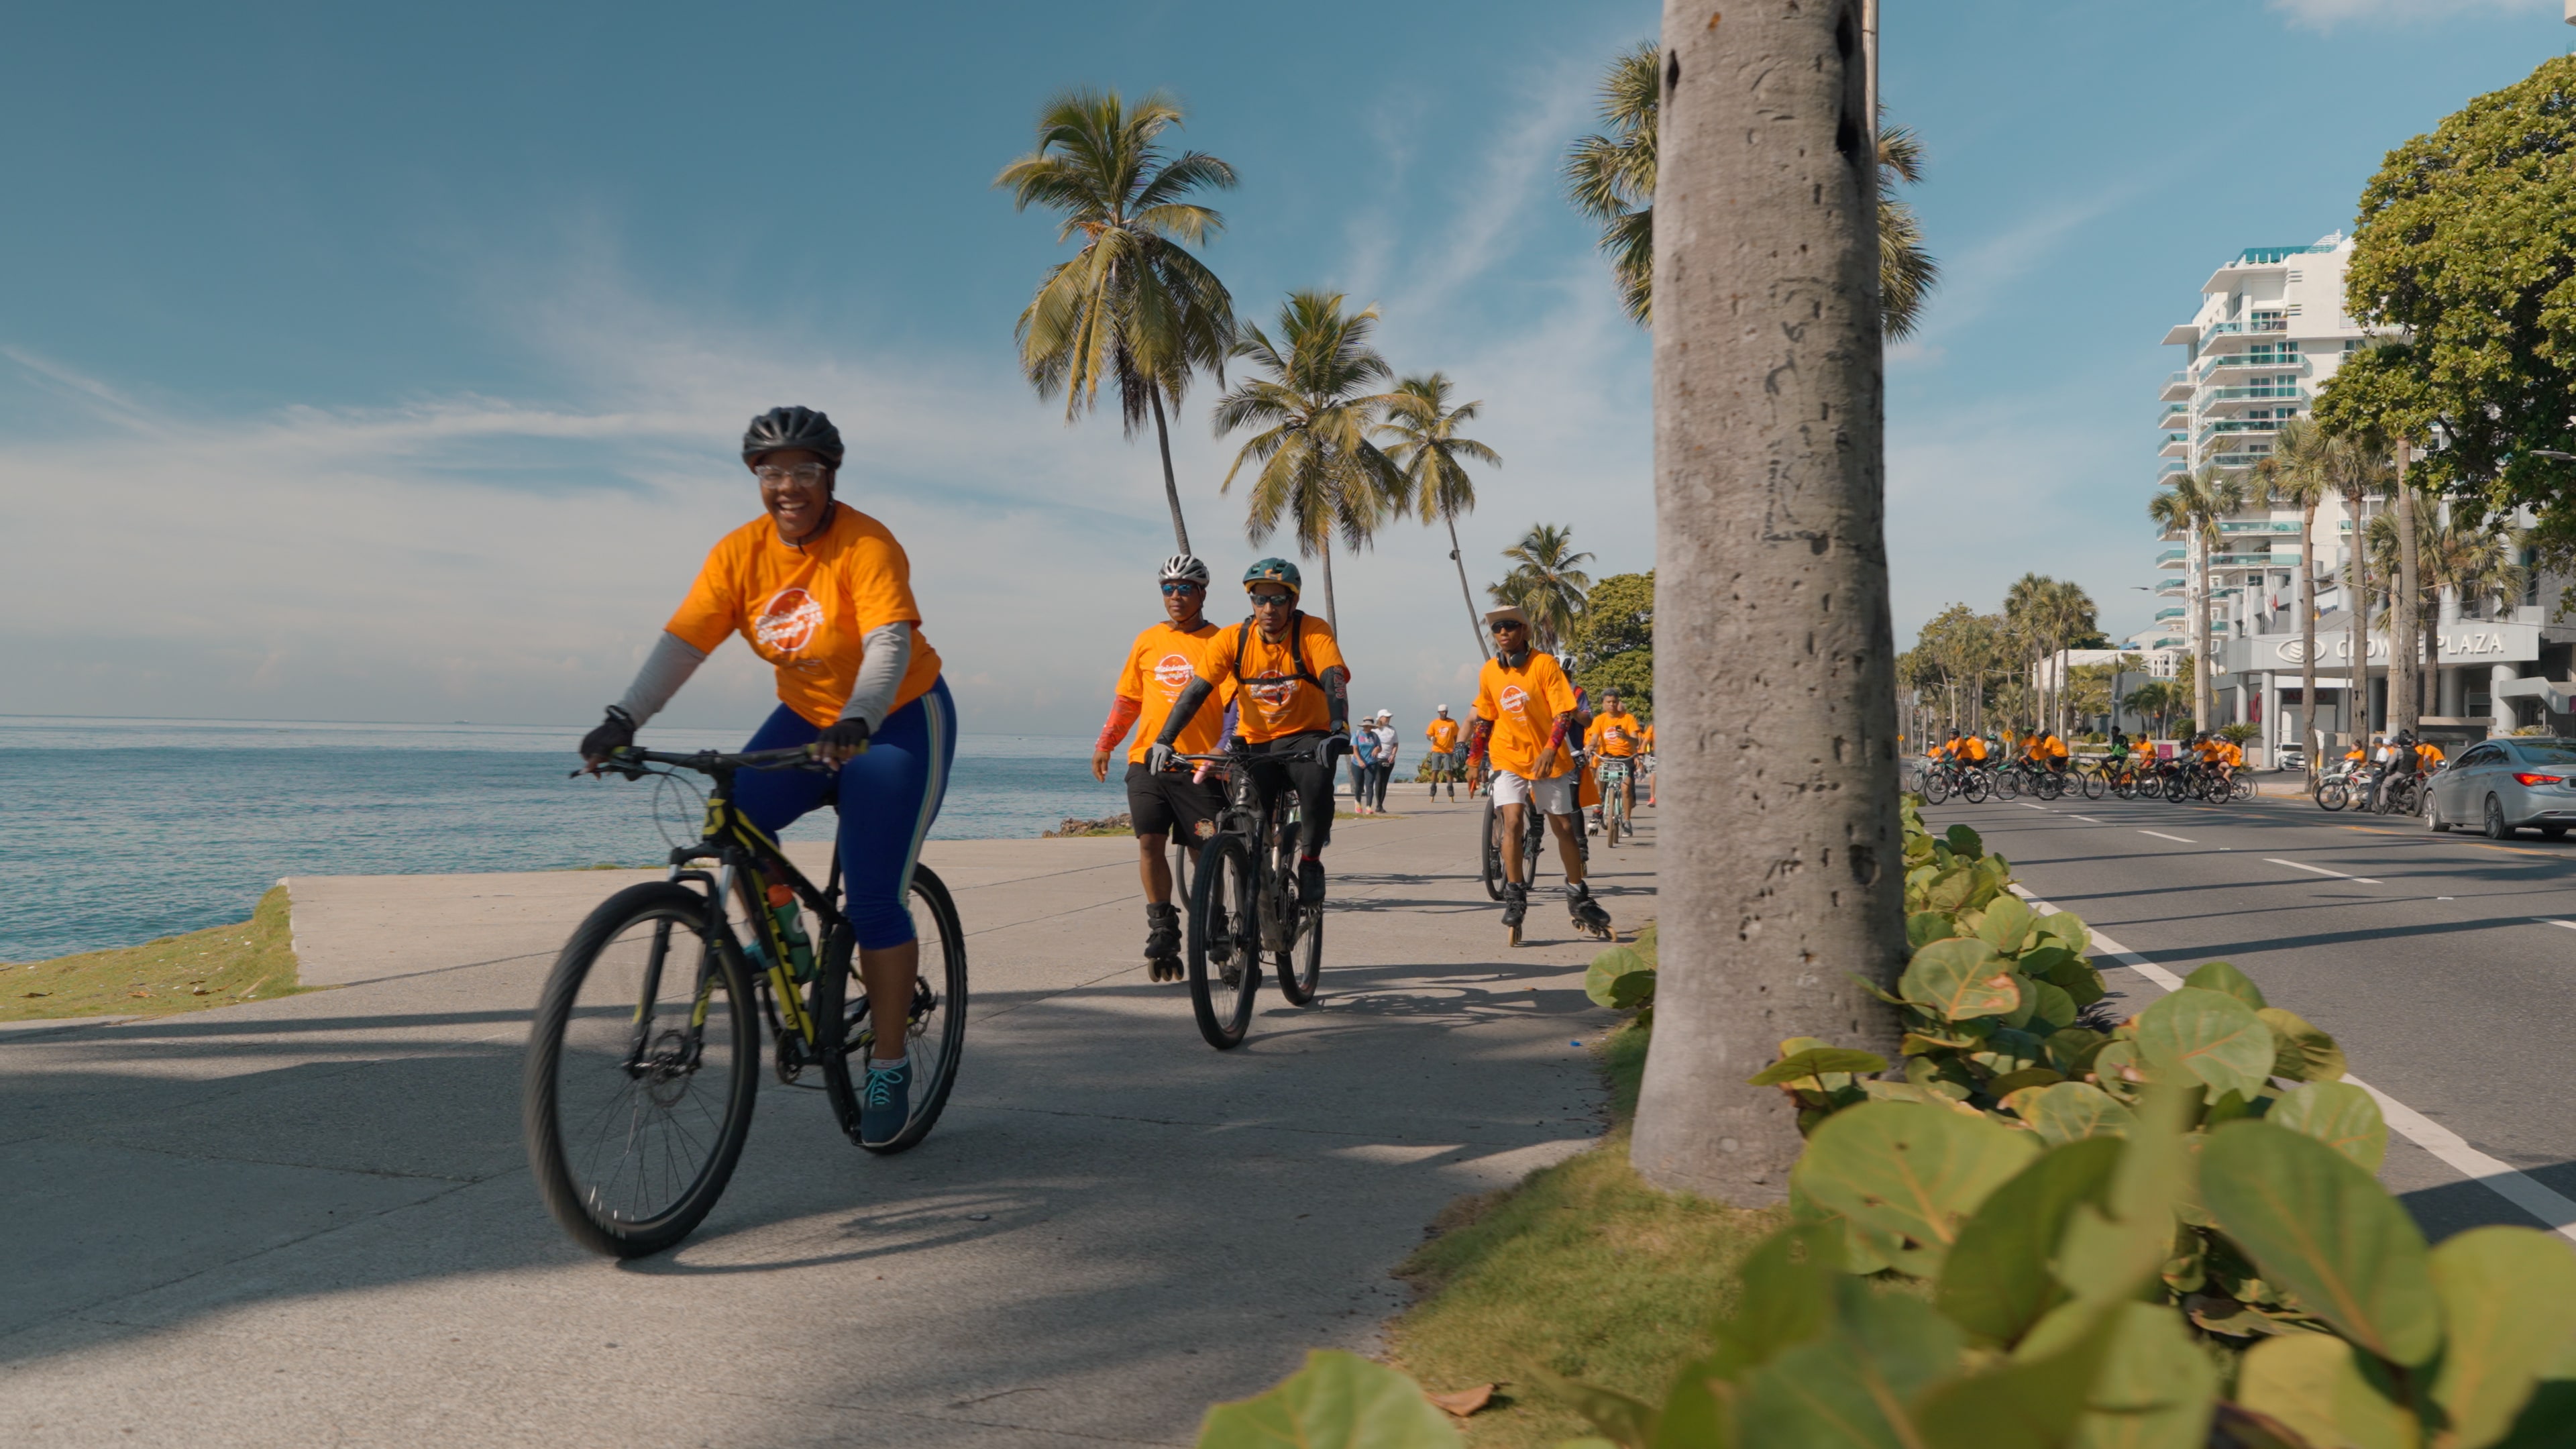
(808, 473)
(1170, 589)
(1272, 601)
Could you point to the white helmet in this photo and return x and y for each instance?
(1185, 568)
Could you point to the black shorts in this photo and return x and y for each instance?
(1159, 802)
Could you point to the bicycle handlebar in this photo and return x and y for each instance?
(624, 760)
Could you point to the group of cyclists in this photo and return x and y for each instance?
(2206, 766)
(823, 593)
(2386, 775)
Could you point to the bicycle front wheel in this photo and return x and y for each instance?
(642, 1064)
(1224, 941)
(2094, 784)
(934, 1029)
(1976, 787)
(2332, 795)
(1493, 849)
(2007, 784)
(1936, 788)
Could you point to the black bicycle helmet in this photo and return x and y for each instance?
(792, 428)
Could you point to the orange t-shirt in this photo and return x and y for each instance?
(1615, 734)
(1273, 703)
(1646, 738)
(1443, 734)
(1159, 666)
(809, 611)
(1523, 704)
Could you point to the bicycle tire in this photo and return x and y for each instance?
(2243, 789)
(2052, 785)
(1493, 850)
(1936, 788)
(936, 1034)
(1225, 885)
(1301, 966)
(589, 1046)
(2007, 784)
(1976, 787)
(2176, 790)
(2094, 785)
(2333, 795)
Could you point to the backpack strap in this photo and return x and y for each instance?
(1296, 650)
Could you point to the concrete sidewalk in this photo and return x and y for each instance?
(309, 1221)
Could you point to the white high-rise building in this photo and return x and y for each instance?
(2269, 331)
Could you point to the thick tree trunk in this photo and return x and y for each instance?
(2405, 601)
(1774, 653)
(1475, 621)
(1331, 620)
(2308, 746)
(1171, 483)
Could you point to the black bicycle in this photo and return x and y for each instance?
(645, 1054)
(1244, 906)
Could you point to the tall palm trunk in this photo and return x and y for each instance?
(1769, 484)
(2308, 747)
(1171, 484)
(2403, 605)
(2357, 594)
(1331, 619)
(2199, 596)
(1475, 625)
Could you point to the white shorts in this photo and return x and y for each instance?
(1554, 797)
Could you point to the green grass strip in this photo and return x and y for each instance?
(252, 960)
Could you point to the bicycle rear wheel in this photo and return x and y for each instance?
(1976, 787)
(642, 1065)
(2007, 784)
(2094, 785)
(1493, 849)
(934, 1032)
(1224, 941)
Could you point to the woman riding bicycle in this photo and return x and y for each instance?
(824, 593)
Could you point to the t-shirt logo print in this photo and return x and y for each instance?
(788, 621)
(1272, 692)
(1516, 700)
(1174, 672)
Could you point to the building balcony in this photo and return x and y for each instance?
(2172, 589)
(2169, 616)
(2177, 388)
(2234, 526)
(2240, 561)
(2219, 433)
(2245, 459)
(2177, 415)
(2173, 558)
(2177, 445)
(2283, 359)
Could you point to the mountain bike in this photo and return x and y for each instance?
(1244, 906)
(645, 1054)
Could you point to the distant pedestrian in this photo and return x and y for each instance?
(1381, 758)
(1363, 746)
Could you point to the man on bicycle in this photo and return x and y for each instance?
(1614, 735)
(824, 593)
(1526, 713)
(1293, 705)
(1443, 759)
(1160, 664)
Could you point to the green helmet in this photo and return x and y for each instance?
(1274, 571)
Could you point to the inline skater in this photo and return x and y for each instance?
(1160, 663)
(824, 593)
(1525, 709)
(1443, 759)
(1292, 704)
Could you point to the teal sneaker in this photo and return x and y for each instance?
(885, 1103)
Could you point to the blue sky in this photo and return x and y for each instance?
(368, 364)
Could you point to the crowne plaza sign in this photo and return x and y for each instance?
(2469, 641)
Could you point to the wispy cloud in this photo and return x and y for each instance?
(2327, 14)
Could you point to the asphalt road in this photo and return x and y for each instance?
(2445, 965)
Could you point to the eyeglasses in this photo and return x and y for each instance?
(1182, 588)
(806, 473)
(1272, 601)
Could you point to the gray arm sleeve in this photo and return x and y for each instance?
(668, 667)
(888, 653)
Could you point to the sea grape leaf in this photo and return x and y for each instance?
(2226, 980)
(2079, 979)
(2319, 1225)
(1967, 843)
(1841, 1390)
(2509, 1311)
(2033, 1401)
(1609, 979)
(2209, 1037)
(1816, 1062)
(1337, 1401)
(2075, 1111)
(2300, 1052)
(2338, 1114)
(2055, 1008)
(1995, 1282)
(2071, 1050)
(2068, 930)
(1925, 927)
(1962, 977)
(2014, 1081)
(2155, 1388)
(1909, 1171)
(2313, 1385)
(2005, 925)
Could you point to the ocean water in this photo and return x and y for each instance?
(145, 828)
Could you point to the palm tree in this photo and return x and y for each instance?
(1546, 582)
(1319, 473)
(2358, 469)
(2475, 562)
(1133, 308)
(1611, 179)
(1428, 448)
(2192, 507)
(2295, 473)
(2023, 604)
(2408, 614)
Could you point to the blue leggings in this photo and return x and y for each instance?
(887, 798)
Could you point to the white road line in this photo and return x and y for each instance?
(2026, 805)
(2509, 1183)
(2087, 819)
(2176, 839)
(2547, 920)
(2320, 870)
